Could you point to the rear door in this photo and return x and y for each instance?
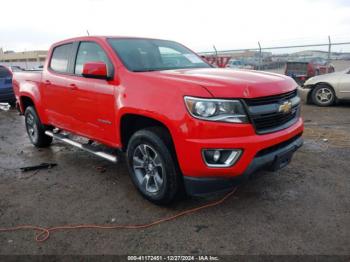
(93, 105)
(296, 69)
(56, 92)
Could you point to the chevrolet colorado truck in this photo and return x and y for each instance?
(184, 125)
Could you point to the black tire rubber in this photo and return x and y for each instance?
(12, 104)
(42, 139)
(318, 87)
(159, 139)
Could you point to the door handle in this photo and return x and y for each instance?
(47, 82)
(73, 87)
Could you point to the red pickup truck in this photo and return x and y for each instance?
(182, 123)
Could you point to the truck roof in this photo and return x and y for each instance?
(100, 37)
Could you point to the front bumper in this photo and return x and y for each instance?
(212, 135)
(273, 158)
(304, 93)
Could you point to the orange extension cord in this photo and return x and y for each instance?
(43, 233)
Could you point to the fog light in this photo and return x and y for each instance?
(216, 155)
(221, 157)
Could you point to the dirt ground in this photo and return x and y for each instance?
(302, 209)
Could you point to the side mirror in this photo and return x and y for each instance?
(95, 70)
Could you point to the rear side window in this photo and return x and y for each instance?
(60, 58)
(4, 72)
(91, 52)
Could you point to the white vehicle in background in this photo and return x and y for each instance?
(325, 90)
(238, 64)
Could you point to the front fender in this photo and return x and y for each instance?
(166, 121)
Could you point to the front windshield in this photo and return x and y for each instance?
(141, 55)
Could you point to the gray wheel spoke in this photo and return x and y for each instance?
(30, 120)
(143, 150)
(156, 185)
(156, 161)
(157, 179)
(146, 183)
(138, 163)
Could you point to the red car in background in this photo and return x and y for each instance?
(305, 68)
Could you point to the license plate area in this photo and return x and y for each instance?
(282, 159)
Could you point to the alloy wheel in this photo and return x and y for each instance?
(32, 127)
(324, 95)
(148, 168)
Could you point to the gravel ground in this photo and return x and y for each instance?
(302, 209)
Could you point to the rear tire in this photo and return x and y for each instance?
(152, 165)
(323, 95)
(35, 129)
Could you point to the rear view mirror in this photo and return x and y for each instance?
(95, 70)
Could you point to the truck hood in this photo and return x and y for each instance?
(229, 83)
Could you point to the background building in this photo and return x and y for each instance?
(26, 59)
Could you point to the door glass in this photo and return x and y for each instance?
(91, 52)
(60, 57)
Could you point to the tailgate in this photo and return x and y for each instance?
(296, 69)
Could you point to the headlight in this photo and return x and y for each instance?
(216, 109)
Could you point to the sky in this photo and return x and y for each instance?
(199, 24)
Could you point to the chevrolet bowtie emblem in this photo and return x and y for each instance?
(286, 107)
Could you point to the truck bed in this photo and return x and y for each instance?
(25, 76)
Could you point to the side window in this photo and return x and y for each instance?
(91, 52)
(60, 58)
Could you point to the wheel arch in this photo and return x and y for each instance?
(131, 123)
(26, 101)
(309, 95)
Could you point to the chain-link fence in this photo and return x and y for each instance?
(324, 56)
(313, 59)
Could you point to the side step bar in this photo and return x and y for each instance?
(86, 148)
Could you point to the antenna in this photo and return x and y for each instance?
(216, 51)
(216, 55)
(87, 31)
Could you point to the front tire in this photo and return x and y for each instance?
(35, 129)
(323, 95)
(152, 166)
